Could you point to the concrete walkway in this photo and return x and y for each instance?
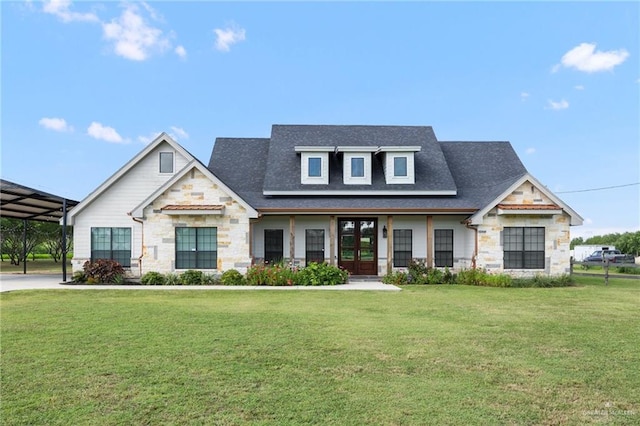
(13, 282)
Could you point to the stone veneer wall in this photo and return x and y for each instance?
(196, 189)
(557, 236)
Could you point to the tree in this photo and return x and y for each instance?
(629, 243)
(52, 240)
(12, 233)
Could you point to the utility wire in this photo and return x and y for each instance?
(598, 189)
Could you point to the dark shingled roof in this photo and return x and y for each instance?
(479, 171)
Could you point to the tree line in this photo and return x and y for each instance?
(41, 238)
(628, 243)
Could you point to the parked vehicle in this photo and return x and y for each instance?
(613, 256)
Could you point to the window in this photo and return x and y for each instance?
(166, 162)
(111, 243)
(314, 245)
(443, 239)
(196, 248)
(523, 248)
(315, 166)
(273, 245)
(400, 166)
(357, 167)
(402, 246)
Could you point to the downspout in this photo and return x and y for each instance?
(475, 245)
(141, 244)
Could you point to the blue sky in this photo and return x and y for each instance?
(85, 85)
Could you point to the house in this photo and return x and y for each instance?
(366, 198)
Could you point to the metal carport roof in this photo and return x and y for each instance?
(22, 202)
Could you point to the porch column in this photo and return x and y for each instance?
(389, 243)
(292, 240)
(332, 240)
(429, 240)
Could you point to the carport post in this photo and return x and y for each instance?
(64, 240)
(24, 247)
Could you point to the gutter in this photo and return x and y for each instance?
(475, 245)
(141, 244)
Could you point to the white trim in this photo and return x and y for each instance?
(397, 148)
(478, 217)
(389, 168)
(139, 209)
(360, 192)
(173, 162)
(162, 138)
(362, 149)
(323, 179)
(347, 178)
(302, 148)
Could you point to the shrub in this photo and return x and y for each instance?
(417, 271)
(275, 274)
(210, 279)
(153, 278)
(448, 277)
(628, 270)
(321, 274)
(232, 277)
(191, 277)
(172, 279)
(105, 271)
(79, 277)
(395, 278)
(544, 281)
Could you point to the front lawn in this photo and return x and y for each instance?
(425, 355)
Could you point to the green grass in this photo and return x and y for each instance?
(425, 355)
(42, 265)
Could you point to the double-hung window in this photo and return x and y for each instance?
(443, 239)
(523, 247)
(196, 248)
(402, 247)
(111, 243)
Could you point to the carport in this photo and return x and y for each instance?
(21, 202)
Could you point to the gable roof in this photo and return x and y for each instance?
(161, 138)
(139, 209)
(479, 171)
(575, 219)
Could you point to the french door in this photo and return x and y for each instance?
(358, 246)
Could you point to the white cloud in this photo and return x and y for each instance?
(524, 96)
(228, 36)
(584, 57)
(181, 51)
(563, 104)
(178, 133)
(579, 87)
(57, 124)
(530, 151)
(60, 8)
(148, 139)
(105, 133)
(132, 37)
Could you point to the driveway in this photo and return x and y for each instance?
(13, 282)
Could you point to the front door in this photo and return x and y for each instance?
(357, 246)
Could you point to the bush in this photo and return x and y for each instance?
(103, 271)
(232, 277)
(543, 281)
(153, 278)
(395, 278)
(276, 274)
(321, 274)
(210, 279)
(172, 279)
(191, 277)
(628, 270)
(79, 277)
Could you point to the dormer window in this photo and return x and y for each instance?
(399, 164)
(356, 160)
(357, 167)
(314, 164)
(166, 162)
